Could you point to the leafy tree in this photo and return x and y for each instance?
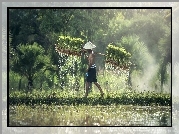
(29, 60)
(140, 55)
(142, 32)
(23, 26)
(165, 49)
(152, 38)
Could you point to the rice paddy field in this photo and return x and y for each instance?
(55, 108)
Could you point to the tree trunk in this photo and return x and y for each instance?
(162, 75)
(30, 84)
(163, 72)
(130, 79)
(41, 83)
(20, 84)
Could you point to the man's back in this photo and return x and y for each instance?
(91, 58)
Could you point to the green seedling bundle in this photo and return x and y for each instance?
(114, 55)
(117, 56)
(69, 46)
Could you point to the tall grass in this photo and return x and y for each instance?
(70, 98)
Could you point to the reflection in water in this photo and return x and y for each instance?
(90, 116)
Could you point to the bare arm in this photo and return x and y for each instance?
(99, 53)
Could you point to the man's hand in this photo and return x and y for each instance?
(83, 50)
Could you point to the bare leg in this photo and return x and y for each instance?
(99, 87)
(87, 88)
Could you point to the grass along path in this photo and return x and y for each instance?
(76, 98)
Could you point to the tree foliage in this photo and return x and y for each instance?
(144, 33)
(29, 60)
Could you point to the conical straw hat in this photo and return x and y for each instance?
(89, 45)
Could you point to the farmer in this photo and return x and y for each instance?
(91, 70)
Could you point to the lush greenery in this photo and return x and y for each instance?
(76, 98)
(144, 34)
(47, 69)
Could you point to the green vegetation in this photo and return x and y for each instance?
(117, 56)
(76, 98)
(140, 39)
(47, 69)
(69, 45)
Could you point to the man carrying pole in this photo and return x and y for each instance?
(91, 70)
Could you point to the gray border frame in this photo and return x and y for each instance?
(74, 130)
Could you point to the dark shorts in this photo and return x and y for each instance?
(91, 75)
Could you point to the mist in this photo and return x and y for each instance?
(149, 81)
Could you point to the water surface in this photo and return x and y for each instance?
(122, 115)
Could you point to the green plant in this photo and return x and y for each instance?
(68, 98)
(29, 60)
(117, 56)
(69, 45)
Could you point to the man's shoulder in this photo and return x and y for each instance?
(93, 54)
